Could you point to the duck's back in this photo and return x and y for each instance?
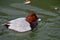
(20, 25)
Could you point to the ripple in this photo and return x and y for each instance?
(54, 19)
(32, 8)
(59, 11)
(12, 11)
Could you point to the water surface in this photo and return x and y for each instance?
(47, 29)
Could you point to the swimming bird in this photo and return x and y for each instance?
(23, 24)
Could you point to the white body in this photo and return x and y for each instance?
(20, 25)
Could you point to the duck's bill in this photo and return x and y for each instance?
(39, 19)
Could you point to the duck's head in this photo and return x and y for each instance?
(32, 19)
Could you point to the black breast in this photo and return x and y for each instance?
(33, 25)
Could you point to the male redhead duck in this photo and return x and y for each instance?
(23, 24)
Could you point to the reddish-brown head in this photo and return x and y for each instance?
(31, 17)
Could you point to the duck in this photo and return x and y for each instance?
(23, 24)
(27, 2)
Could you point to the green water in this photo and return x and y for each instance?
(47, 29)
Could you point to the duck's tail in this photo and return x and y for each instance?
(6, 25)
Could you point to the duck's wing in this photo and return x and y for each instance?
(20, 25)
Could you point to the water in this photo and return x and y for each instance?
(47, 29)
